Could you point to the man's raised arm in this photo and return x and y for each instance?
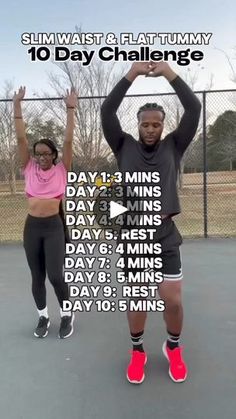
(110, 122)
(187, 127)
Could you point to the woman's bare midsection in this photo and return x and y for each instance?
(43, 207)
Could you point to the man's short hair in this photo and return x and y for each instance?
(151, 107)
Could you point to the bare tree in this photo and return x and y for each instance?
(92, 83)
(8, 148)
(230, 63)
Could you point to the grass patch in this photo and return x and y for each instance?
(221, 213)
(221, 207)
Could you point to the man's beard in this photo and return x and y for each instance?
(149, 147)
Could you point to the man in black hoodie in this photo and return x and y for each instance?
(149, 154)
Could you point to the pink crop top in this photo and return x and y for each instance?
(45, 184)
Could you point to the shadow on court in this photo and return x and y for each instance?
(83, 377)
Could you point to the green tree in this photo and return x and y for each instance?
(222, 142)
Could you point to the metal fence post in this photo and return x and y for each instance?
(205, 215)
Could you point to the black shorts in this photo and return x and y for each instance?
(167, 261)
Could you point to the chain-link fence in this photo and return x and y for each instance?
(207, 182)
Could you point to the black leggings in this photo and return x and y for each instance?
(44, 243)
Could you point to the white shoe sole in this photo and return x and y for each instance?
(181, 380)
(45, 334)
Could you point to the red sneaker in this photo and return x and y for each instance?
(177, 370)
(135, 370)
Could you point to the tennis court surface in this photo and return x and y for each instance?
(83, 377)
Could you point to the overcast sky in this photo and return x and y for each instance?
(122, 16)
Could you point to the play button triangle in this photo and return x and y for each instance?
(116, 209)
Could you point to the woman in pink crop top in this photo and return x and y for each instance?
(45, 232)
